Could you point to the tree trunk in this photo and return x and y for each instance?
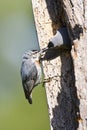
(67, 91)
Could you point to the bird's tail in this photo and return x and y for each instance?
(30, 99)
(28, 93)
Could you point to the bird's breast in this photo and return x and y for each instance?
(39, 72)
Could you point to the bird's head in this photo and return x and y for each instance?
(34, 55)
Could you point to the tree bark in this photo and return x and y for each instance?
(67, 91)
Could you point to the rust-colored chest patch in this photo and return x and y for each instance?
(37, 62)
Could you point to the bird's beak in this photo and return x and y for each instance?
(42, 51)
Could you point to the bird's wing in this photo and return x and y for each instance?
(28, 86)
(28, 71)
(29, 76)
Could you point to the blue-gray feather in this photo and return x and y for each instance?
(29, 76)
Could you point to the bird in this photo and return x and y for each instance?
(60, 39)
(31, 72)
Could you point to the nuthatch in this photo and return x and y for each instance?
(60, 39)
(31, 72)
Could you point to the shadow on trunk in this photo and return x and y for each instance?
(66, 114)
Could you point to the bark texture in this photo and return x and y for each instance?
(67, 91)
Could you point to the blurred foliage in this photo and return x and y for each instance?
(17, 34)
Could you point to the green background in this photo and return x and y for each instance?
(17, 34)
